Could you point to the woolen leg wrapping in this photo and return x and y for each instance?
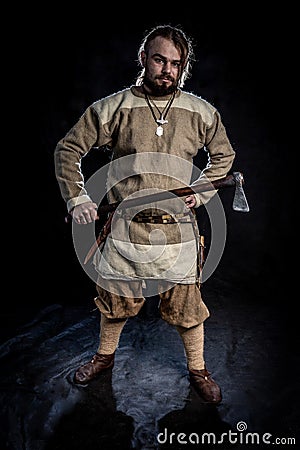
(110, 332)
(193, 341)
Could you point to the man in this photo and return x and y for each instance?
(152, 118)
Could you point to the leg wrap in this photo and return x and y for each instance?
(193, 341)
(110, 332)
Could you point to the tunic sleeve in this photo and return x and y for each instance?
(220, 157)
(68, 154)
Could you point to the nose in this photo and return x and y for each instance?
(167, 67)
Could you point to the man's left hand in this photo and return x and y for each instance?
(190, 201)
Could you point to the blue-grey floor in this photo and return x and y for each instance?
(146, 402)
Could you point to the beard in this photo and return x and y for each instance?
(159, 90)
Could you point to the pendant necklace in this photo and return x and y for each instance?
(162, 120)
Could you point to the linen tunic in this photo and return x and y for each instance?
(143, 163)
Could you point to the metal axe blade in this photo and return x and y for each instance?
(239, 201)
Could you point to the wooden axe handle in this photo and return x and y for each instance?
(227, 181)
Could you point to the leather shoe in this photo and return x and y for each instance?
(93, 368)
(205, 386)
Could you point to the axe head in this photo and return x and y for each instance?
(239, 201)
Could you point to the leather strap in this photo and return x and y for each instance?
(157, 218)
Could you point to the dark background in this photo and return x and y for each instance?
(240, 69)
(61, 59)
(66, 60)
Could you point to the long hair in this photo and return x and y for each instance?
(181, 41)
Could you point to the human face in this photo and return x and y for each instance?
(162, 66)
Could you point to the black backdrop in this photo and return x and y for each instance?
(61, 61)
(66, 60)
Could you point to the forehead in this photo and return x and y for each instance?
(164, 47)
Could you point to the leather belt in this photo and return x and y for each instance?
(163, 218)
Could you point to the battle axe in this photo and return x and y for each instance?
(235, 180)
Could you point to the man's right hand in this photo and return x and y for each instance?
(85, 213)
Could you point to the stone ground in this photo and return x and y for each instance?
(145, 402)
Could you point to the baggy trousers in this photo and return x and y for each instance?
(180, 304)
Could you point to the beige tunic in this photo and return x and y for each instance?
(143, 163)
